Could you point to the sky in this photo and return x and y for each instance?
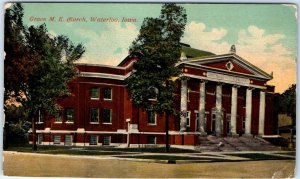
(264, 34)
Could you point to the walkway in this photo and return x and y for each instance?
(29, 164)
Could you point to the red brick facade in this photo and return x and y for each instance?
(89, 121)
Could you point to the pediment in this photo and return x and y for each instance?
(229, 63)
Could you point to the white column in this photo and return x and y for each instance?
(234, 91)
(202, 108)
(262, 107)
(219, 126)
(183, 104)
(248, 111)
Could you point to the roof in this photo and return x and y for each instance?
(129, 57)
(187, 49)
(203, 61)
(192, 52)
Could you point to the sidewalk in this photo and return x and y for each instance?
(49, 165)
(208, 157)
(237, 156)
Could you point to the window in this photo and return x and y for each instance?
(41, 117)
(69, 115)
(94, 115)
(93, 140)
(68, 140)
(106, 140)
(151, 117)
(213, 123)
(94, 93)
(151, 140)
(58, 117)
(40, 139)
(56, 139)
(188, 94)
(107, 115)
(188, 118)
(107, 94)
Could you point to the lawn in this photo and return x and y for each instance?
(288, 153)
(80, 152)
(150, 150)
(257, 156)
(72, 150)
(164, 157)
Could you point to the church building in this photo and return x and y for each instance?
(221, 95)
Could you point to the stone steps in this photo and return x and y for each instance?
(213, 143)
(208, 148)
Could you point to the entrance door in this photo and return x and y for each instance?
(198, 121)
(228, 124)
(213, 123)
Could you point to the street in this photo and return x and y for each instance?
(44, 165)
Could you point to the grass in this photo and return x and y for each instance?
(256, 156)
(150, 150)
(71, 150)
(63, 150)
(79, 152)
(288, 153)
(28, 148)
(165, 157)
(173, 158)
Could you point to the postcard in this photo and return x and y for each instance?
(149, 90)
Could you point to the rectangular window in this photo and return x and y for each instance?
(213, 123)
(56, 139)
(94, 115)
(151, 140)
(93, 140)
(188, 118)
(107, 115)
(94, 93)
(107, 94)
(188, 94)
(68, 140)
(58, 117)
(40, 139)
(106, 140)
(69, 115)
(41, 117)
(151, 117)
